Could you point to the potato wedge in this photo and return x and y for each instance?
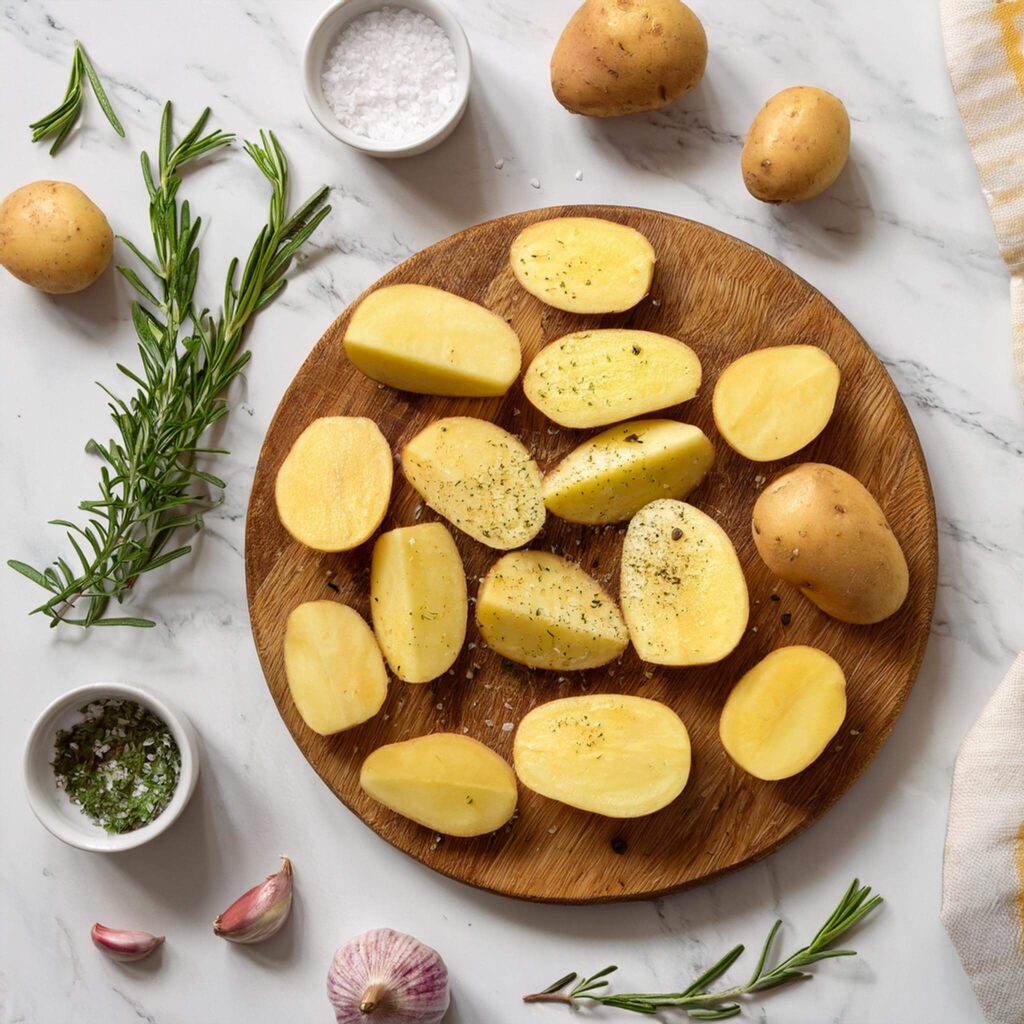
(784, 712)
(682, 589)
(538, 609)
(431, 342)
(480, 478)
(583, 264)
(593, 378)
(447, 782)
(609, 478)
(418, 600)
(333, 488)
(335, 672)
(771, 402)
(607, 753)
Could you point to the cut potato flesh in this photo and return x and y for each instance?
(480, 478)
(609, 478)
(432, 342)
(784, 712)
(334, 668)
(611, 754)
(418, 600)
(333, 488)
(447, 782)
(583, 264)
(537, 609)
(683, 593)
(593, 378)
(770, 403)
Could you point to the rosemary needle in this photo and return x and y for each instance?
(148, 473)
(700, 1004)
(61, 120)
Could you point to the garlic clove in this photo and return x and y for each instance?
(123, 944)
(390, 975)
(259, 913)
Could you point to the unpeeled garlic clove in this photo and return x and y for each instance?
(260, 912)
(123, 944)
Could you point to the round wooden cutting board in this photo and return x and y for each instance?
(723, 298)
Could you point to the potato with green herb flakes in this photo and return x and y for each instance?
(583, 264)
(593, 378)
(480, 478)
(544, 611)
(609, 478)
(683, 592)
(607, 753)
(418, 600)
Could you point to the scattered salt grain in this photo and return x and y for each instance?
(390, 74)
(507, 726)
(579, 175)
(498, 164)
(535, 182)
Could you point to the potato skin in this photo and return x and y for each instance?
(820, 529)
(618, 57)
(796, 146)
(53, 237)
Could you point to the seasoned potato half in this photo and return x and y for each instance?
(784, 712)
(480, 478)
(682, 589)
(541, 610)
(609, 478)
(333, 488)
(583, 264)
(432, 342)
(593, 378)
(333, 665)
(418, 600)
(607, 753)
(820, 529)
(770, 403)
(447, 782)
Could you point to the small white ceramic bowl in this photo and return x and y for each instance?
(326, 30)
(51, 805)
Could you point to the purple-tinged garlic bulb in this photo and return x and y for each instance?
(386, 977)
(123, 944)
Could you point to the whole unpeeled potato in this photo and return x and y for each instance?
(54, 237)
(796, 146)
(820, 529)
(621, 56)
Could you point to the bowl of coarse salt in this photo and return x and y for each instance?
(388, 79)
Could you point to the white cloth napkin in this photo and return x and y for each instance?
(984, 51)
(983, 871)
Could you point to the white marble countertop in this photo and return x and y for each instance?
(903, 246)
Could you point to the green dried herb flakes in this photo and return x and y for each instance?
(120, 764)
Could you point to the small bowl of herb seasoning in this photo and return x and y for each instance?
(109, 766)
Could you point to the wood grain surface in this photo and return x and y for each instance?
(723, 298)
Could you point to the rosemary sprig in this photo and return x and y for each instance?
(148, 476)
(61, 120)
(700, 1004)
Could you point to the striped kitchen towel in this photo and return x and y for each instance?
(983, 869)
(984, 51)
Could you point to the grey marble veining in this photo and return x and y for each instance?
(902, 244)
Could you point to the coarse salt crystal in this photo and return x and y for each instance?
(390, 74)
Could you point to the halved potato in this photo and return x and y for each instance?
(583, 264)
(418, 600)
(538, 609)
(784, 712)
(448, 782)
(480, 478)
(592, 378)
(432, 342)
(682, 588)
(608, 753)
(333, 488)
(609, 478)
(770, 403)
(333, 665)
